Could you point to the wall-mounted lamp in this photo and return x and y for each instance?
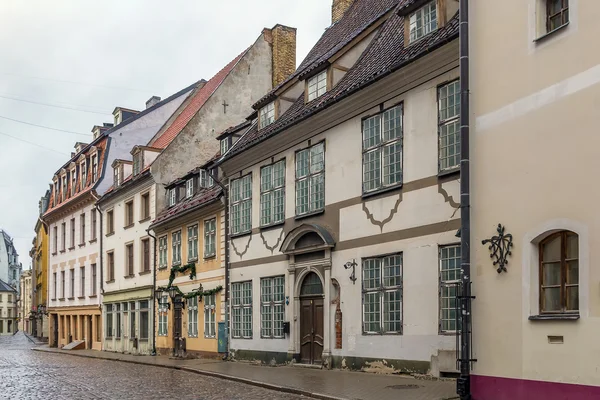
(352, 264)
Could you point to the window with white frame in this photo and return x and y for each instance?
(73, 181)
(117, 176)
(137, 163)
(203, 179)
(64, 187)
(109, 321)
(83, 168)
(225, 144)
(162, 252)
(449, 125)
(241, 204)
(172, 197)
(382, 150)
(272, 193)
(189, 187)
(192, 316)
(266, 115)
(163, 316)
(310, 179)
(192, 237)
(242, 309)
(94, 168)
(450, 257)
(210, 235)
(210, 316)
(423, 21)
(272, 296)
(382, 294)
(176, 248)
(317, 85)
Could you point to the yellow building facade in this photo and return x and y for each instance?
(40, 278)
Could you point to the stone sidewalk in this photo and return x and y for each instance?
(314, 383)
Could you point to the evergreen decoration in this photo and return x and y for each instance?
(194, 293)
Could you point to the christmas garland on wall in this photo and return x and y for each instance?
(199, 292)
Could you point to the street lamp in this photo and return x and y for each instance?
(172, 292)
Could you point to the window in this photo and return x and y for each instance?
(192, 317)
(55, 235)
(129, 259)
(110, 263)
(145, 255)
(382, 150)
(192, 236)
(172, 197)
(559, 273)
(189, 187)
(163, 316)
(83, 168)
(93, 279)
(109, 321)
(82, 281)
(317, 85)
(272, 193)
(225, 144)
(72, 291)
(145, 206)
(272, 296)
(241, 204)
(450, 258)
(206, 179)
(64, 187)
(82, 229)
(132, 319)
(382, 294)
(557, 14)
(176, 245)
(162, 252)
(144, 325)
(94, 168)
(117, 309)
(129, 213)
(138, 162)
(242, 309)
(110, 222)
(449, 125)
(266, 115)
(72, 234)
(117, 176)
(55, 291)
(94, 225)
(209, 316)
(73, 181)
(210, 234)
(310, 179)
(423, 21)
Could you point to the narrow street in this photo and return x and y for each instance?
(27, 374)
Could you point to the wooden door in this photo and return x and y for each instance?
(55, 330)
(89, 332)
(311, 330)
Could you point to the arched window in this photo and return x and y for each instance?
(559, 273)
(311, 286)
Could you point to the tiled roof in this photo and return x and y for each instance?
(199, 98)
(199, 199)
(5, 287)
(234, 129)
(360, 15)
(385, 54)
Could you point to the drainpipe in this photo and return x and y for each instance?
(153, 291)
(464, 381)
(101, 259)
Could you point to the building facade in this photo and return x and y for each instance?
(533, 132)
(10, 267)
(343, 199)
(39, 261)
(24, 317)
(8, 309)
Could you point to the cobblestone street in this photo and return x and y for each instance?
(26, 374)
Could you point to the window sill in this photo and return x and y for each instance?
(71, 248)
(93, 241)
(71, 298)
(210, 337)
(62, 251)
(382, 333)
(193, 259)
(129, 276)
(272, 226)
(310, 214)
(210, 257)
(144, 220)
(374, 193)
(61, 299)
(81, 245)
(176, 264)
(55, 253)
(241, 338)
(162, 267)
(81, 297)
(554, 317)
(111, 281)
(448, 333)
(546, 35)
(131, 225)
(449, 172)
(240, 234)
(110, 233)
(93, 296)
(144, 272)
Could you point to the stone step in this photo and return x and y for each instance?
(311, 366)
(75, 345)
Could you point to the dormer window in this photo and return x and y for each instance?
(172, 197)
(64, 187)
(317, 85)
(266, 115)
(83, 168)
(94, 168)
(73, 181)
(117, 116)
(117, 176)
(225, 144)
(138, 162)
(423, 21)
(189, 187)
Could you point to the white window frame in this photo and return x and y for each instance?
(138, 163)
(374, 284)
(266, 115)
(272, 190)
(225, 144)
(210, 237)
(163, 252)
(242, 310)
(316, 86)
(176, 248)
(272, 307)
(192, 239)
(163, 316)
(83, 168)
(64, 187)
(423, 21)
(73, 181)
(210, 316)
(94, 163)
(172, 197)
(189, 188)
(449, 286)
(192, 316)
(241, 205)
(449, 126)
(309, 192)
(117, 176)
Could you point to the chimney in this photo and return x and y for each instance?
(338, 9)
(152, 101)
(283, 43)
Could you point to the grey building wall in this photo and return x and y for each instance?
(10, 267)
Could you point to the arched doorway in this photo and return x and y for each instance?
(311, 319)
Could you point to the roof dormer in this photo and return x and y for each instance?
(424, 17)
(79, 146)
(316, 85)
(121, 114)
(121, 170)
(143, 156)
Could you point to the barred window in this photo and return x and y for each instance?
(382, 294)
(242, 309)
(272, 296)
(163, 316)
(310, 179)
(162, 252)
(266, 115)
(449, 284)
(272, 193)
(210, 316)
(192, 243)
(176, 244)
(449, 125)
(210, 235)
(423, 21)
(317, 85)
(382, 150)
(192, 316)
(241, 204)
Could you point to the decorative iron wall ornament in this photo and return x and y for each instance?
(500, 248)
(352, 264)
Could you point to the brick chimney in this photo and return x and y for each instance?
(152, 101)
(338, 9)
(283, 43)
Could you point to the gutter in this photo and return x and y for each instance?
(153, 295)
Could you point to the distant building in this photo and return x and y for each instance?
(10, 267)
(8, 309)
(24, 303)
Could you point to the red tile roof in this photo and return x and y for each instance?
(201, 198)
(194, 105)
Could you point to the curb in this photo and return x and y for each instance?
(265, 385)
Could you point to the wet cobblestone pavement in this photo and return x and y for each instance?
(27, 374)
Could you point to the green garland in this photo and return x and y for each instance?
(200, 292)
(182, 270)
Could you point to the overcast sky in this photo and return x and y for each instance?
(94, 55)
